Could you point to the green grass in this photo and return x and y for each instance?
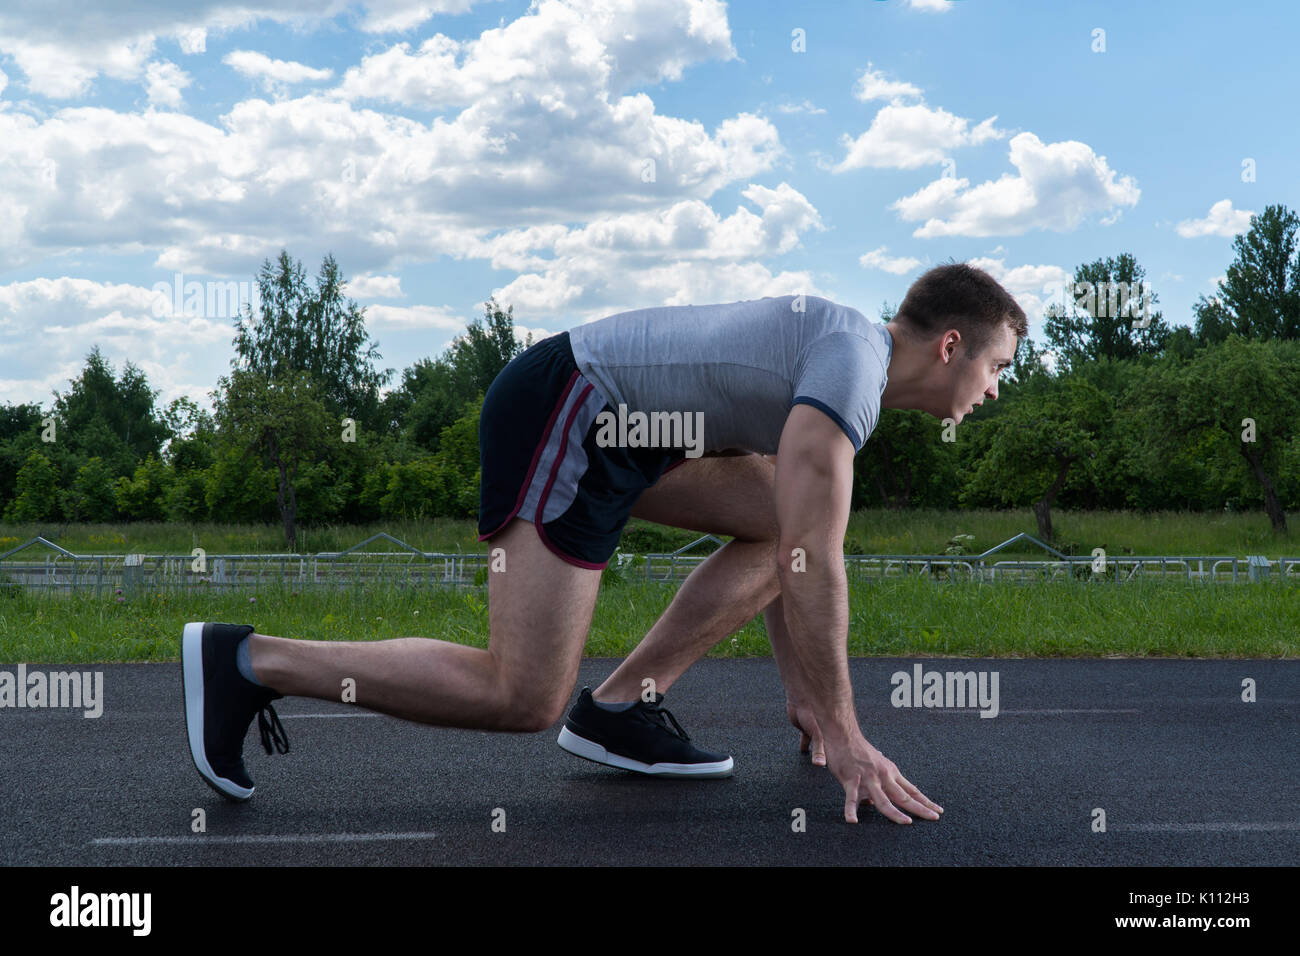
(912, 616)
(163, 538)
(927, 531)
(906, 617)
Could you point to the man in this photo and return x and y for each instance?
(798, 376)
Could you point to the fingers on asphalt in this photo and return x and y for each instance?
(913, 801)
(884, 805)
(917, 795)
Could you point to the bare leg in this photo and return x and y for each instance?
(539, 611)
(730, 496)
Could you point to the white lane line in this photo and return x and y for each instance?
(261, 838)
(1054, 710)
(301, 716)
(1203, 827)
(1071, 710)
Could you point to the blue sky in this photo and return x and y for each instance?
(445, 150)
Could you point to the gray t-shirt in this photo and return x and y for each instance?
(744, 365)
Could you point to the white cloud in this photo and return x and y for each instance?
(872, 85)
(375, 287)
(1056, 187)
(398, 16)
(1034, 287)
(53, 70)
(193, 41)
(62, 55)
(536, 138)
(805, 107)
(523, 331)
(931, 6)
(907, 137)
(895, 265)
(1222, 220)
(413, 317)
(686, 253)
(364, 183)
(538, 162)
(164, 81)
(4, 81)
(559, 55)
(272, 74)
(67, 316)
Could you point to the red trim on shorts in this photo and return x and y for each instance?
(537, 454)
(550, 481)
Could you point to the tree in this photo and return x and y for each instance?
(312, 330)
(1035, 447)
(143, 497)
(189, 456)
(91, 496)
(109, 418)
(1107, 315)
(20, 427)
(458, 460)
(284, 422)
(1259, 297)
(905, 464)
(37, 496)
(1027, 364)
(184, 419)
(433, 393)
(1248, 392)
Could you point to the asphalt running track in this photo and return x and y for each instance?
(1187, 774)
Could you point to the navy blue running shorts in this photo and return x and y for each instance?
(540, 461)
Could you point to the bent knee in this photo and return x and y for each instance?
(531, 712)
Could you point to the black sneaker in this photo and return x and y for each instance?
(219, 705)
(638, 738)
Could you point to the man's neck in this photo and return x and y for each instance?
(908, 384)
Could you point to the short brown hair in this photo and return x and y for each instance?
(959, 296)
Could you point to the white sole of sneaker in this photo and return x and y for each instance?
(192, 674)
(587, 750)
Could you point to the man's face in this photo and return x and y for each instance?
(973, 381)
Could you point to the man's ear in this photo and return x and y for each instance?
(951, 339)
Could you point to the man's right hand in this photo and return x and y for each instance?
(868, 775)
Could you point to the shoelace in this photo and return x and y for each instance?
(656, 710)
(272, 730)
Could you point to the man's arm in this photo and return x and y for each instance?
(814, 479)
(798, 697)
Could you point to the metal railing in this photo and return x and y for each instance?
(60, 570)
(676, 565)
